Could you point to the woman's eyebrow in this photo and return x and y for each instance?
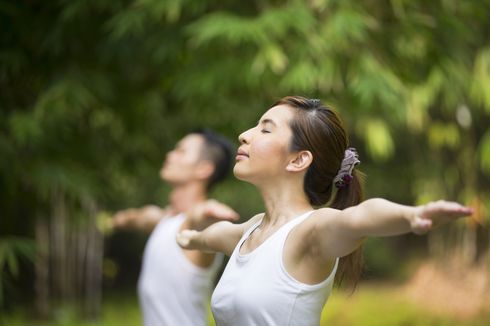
(265, 121)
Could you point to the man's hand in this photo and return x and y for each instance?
(204, 214)
(437, 213)
(145, 218)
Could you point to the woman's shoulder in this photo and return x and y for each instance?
(318, 217)
(324, 212)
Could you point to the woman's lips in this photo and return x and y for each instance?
(241, 155)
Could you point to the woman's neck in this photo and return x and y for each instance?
(283, 202)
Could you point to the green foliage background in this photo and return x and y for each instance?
(93, 93)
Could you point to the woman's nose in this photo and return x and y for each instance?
(244, 137)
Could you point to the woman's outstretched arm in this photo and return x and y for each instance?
(340, 232)
(219, 237)
(380, 217)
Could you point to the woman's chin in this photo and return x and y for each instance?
(239, 173)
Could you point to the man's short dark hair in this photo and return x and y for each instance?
(218, 150)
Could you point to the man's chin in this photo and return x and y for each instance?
(167, 177)
(172, 179)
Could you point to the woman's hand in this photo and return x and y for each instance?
(185, 237)
(437, 213)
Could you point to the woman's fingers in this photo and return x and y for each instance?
(437, 213)
(184, 238)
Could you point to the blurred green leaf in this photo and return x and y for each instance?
(94, 93)
(480, 83)
(25, 128)
(378, 138)
(484, 149)
(444, 135)
(13, 249)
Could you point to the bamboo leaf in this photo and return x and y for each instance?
(302, 77)
(480, 84)
(420, 98)
(444, 135)
(12, 264)
(484, 151)
(24, 128)
(378, 138)
(348, 25)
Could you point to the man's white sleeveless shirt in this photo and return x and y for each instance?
(173, 291)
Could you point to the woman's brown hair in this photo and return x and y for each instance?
(318, 129)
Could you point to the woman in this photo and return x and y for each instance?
(283, 262)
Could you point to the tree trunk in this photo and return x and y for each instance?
(69, 266)
(93, 267)
(59, 247)
(42, 268)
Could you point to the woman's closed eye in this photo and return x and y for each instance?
(265, 131)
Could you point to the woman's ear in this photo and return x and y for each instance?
(300, 162)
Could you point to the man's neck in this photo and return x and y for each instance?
(185, 196)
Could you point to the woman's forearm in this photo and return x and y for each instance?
(380, 217)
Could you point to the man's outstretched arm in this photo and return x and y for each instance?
(142, 219)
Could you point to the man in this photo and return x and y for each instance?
(175, 284)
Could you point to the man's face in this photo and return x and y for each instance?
(180, 165)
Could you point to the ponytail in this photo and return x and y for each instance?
(351, 195)
(350, 266)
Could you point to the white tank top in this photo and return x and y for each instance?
(173, 291)
(256, 289)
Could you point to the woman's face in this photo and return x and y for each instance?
(264, 151)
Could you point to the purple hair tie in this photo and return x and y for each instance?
(344, 176)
